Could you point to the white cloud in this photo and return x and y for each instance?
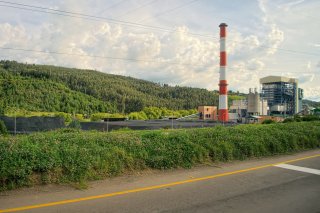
(306, 78)
(176, 57)
(289, 5)
(275, 38)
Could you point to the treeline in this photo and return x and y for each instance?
(148, 113)
(47, 88)
(44, 95)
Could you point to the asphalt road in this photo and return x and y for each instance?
(278, 184)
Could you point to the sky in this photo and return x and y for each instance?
(169, 41)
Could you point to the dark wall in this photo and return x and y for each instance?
(145, 125)
(33, 124)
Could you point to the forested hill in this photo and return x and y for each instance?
(51, 88)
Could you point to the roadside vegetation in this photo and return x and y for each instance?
(74, 156)
(298, 118)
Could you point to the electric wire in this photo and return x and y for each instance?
(132, 24)
(142, 60)
(112, 6)
(137, 8)
(103, 19)
(95, 56)
(169, 10)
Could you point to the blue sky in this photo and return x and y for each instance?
(176, 41)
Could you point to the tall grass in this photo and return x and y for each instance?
(76, 156)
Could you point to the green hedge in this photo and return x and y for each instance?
(76, 156)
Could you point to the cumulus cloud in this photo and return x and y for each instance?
(287, 6)
(312, 93)
(176, 57)
(275, 38)
(305, 78)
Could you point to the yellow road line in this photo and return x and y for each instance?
(150, 187)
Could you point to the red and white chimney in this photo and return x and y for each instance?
(223, 90)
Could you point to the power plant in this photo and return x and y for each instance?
(279, 96)
(256, 104)
(282, 94)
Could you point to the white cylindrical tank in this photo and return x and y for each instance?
(253, 102)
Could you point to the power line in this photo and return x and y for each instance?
(94, 56)
(131, 24)
(140, 60)
(137, 8)
(101, 19)
(112, 6)
(170, 10)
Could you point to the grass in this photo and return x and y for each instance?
(74, 156)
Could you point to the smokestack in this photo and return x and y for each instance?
(223, 90)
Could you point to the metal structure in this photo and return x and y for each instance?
(223, 86)
(282, 93)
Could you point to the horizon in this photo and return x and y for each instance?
(150, 81)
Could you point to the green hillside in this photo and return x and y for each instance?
(311, 103)
(45, 95)
(51, 88)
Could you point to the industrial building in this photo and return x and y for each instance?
(256, 104)
(239, 107)
(207, 112)
(282, 93)
(249, 109)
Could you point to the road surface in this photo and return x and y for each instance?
(278, 184)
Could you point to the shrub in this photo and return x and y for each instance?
(137, 116)
(101, 116)
(310, 118)
(268, 121)
(123, 129)
(3, 128)
(71, 155)
(288, 120)
(67, 117)
(75, 124)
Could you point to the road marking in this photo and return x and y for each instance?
(299, 168)
(150, 187)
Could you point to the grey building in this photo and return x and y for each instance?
(282, 93)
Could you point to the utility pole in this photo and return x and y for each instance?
(172, 120)
(15, 122)
(107, 124)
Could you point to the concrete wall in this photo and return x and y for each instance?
(33, 124)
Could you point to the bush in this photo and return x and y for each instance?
(310, 118)
(71, 155)
(67, 117)
(288, 120)
(137, 116)
(75, 124)
(3, 128)
(101, 116)
(268, 121)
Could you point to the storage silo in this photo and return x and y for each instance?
(253, 102)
